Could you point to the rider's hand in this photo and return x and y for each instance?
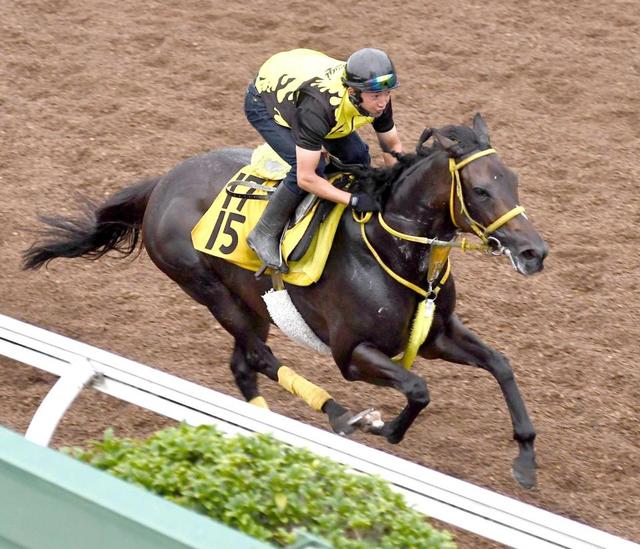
(363, 203)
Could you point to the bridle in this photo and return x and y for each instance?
(439, 264)
(489, 243)
(456, 191)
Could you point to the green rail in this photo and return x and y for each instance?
(50, 501)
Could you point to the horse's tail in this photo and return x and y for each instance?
(113, 225)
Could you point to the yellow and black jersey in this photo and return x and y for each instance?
(303, 90)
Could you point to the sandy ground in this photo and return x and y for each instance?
(98, 94)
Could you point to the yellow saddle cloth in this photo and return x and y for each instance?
(223, 229)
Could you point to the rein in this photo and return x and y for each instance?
(438, 257)
(428, 241)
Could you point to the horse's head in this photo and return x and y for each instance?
(484, 197)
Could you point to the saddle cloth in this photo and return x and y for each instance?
(223, 229)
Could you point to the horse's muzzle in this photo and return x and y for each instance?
(529, 259)
(526, 252)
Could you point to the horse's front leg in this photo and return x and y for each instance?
(458, 344)
(371, 365)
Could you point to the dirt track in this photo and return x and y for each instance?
(97, 94)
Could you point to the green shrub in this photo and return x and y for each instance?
(266, 488)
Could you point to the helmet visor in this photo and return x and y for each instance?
(380, 83)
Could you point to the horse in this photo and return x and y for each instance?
(375, 277)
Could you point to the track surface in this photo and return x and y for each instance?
(98, 94)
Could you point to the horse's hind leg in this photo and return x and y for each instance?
(458, 344)
(250, 332)
(246, 377)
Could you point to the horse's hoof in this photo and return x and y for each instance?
(367, 418)
(342, 424)
(525, 474)
(369, 421)
(394, 439)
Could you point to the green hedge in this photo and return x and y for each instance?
(266, 489)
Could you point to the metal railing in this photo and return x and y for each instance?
(450, 500)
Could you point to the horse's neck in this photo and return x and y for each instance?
(418, 206)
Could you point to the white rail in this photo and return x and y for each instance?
(450, 500)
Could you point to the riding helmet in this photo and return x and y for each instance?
(370, 70)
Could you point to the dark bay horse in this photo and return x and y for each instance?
(361, 312)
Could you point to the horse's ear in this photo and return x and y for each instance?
(452, 147)
(424, 137)
(480, 127)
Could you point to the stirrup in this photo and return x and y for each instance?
(276, 276)
(274, 270)
(264, 266)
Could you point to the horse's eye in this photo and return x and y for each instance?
(482, 193)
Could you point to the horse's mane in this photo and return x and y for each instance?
(379, 182)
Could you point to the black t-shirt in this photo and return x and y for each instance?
(315, 118)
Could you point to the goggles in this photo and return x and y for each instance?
(380, 83)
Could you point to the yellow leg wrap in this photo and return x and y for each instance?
(260, 402)
(313, 395)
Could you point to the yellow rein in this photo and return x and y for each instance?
(456, 190)
(391, 272)
(462, 244)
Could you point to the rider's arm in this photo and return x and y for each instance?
(390, 141)
(310, 181)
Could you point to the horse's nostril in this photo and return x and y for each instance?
(529, 254)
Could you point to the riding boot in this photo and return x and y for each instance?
(264, 239)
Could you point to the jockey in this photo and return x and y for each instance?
(303, 101)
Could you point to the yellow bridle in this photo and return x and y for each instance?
(456, 190)
(439, 258)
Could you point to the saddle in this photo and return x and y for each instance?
(307, 240)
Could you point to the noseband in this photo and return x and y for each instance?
(456, 190)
